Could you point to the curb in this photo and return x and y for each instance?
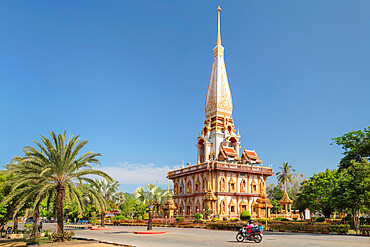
(76, 227)
(149, 232)
(105, 242)
(329, 233)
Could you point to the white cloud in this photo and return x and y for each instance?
(126, 173)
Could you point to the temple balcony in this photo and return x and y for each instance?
(221, 166)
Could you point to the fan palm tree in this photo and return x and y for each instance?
(107, 189)
(56, 172)
(119, 198)
(153, 196)
(286, 174)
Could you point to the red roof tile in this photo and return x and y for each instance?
(229, 151)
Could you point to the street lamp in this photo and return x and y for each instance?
(266, 212)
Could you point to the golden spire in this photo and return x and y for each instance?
(218, 29)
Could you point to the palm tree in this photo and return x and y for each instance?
(119, 198)
(153, 196)
(107, 190)
(56, 172)
(285, 174)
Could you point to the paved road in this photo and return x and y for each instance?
(191, 237)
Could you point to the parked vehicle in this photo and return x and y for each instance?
(255, 235)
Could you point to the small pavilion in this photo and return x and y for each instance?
(285, 203)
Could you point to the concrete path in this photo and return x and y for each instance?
(191, 237)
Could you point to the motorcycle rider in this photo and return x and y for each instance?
(250, 226)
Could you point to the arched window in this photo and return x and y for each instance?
(223, 184)
(243, 206)
(232, 207)
(175, 189)
(181, 188)
(204, 184)
(243, 186)
(197, 186)
(188, 188)
(223, 207)
(254, 186)
(201, 151)
(231, 185)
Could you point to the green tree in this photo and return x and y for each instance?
(274, 193)
(154, 195)
(352, 191)
(56, 171)
(285, 175)
(132, 207)
(107, 189)
(356, 145)
(316, 192)
(7, 209)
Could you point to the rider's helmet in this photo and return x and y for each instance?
(250, 221)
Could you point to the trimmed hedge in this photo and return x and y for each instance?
(245, 215)
(298, 226)
(338, 228)
(365, 229)
(320, 219)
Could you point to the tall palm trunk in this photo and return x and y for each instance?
(36, 215)
(284, 185)
(102, 217)
(60, 207)
(150, 225)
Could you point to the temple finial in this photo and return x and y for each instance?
(218, 30)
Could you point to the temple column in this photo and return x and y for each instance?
(213, 181)
(248, 185)
(206, 152)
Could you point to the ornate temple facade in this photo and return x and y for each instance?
(225, 179)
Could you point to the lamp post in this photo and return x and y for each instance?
(266, 212)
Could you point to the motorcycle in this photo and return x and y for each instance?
(255, 235)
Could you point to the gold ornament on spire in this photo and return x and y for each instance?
(218, 29)
(218, 98)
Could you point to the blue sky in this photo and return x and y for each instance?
(131, 77)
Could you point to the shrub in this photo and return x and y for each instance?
(197, 216)
(215, 220)
(320, 219)
(146, 216)
(245, 215)
(262, 220)
(224, 219)
(198, 221)
(278, 218)
(93, 218)
(120, 217)
(140, 217)
(60, 237)
(235, 219)
(295, 219)
(28, 227)
(364, 229)
(284, 219)
(180, 219)
(338, 228)
(47, 233)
